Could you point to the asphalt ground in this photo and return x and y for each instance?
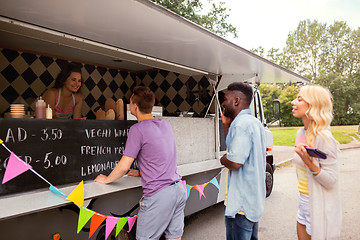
(279, 218)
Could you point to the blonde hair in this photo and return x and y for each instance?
(320, 111)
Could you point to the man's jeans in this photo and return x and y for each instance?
(240, 228)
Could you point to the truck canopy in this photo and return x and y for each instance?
(135, 35)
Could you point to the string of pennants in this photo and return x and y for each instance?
(16, 167)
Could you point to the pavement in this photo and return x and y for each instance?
(278, 221)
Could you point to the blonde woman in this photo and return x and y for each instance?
(319, 213)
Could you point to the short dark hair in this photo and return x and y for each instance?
(144, 98)
(243, 87)
(65, 73)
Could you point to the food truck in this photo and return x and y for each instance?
(120, 44)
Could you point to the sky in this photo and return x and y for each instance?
(267, 23)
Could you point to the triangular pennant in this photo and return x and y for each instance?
(120, 224)
(215, 182)
(14, 168)
(1, 141)
(84, 216)
(57, 191)
(197, 187)
(131, 221)
(96, 220)
(205, 184)
(77, 195)
(202, 190)
(110, 224)
(188, 188)
(184, 185)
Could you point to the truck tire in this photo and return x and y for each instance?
(269, 179)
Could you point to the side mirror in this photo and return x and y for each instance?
(276, 109)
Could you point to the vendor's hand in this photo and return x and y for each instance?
(134, 173)
(226, 120)
(101, 179)
(303, 154)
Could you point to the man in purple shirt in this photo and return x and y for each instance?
(151, 141)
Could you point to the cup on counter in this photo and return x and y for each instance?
(17, 110)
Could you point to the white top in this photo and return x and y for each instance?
(325, 204)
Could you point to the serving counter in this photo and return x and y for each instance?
(65, 152)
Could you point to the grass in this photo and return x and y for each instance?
(285, 136)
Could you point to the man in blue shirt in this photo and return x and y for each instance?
(246, 161)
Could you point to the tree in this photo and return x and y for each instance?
(259, 51)
(269, 93)
(288, 94)
(214, 20)
(336, 49)
(330, 56)
(304, 48)
(354, 54)
(346, 101)
(275, 56)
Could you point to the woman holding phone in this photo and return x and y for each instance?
(319, 213)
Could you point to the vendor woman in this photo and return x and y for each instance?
(65, 99)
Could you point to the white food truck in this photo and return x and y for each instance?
(120, 44)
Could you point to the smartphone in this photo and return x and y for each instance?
(313, 152)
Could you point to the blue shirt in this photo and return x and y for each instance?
(246, 186)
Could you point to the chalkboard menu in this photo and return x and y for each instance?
(62, 151)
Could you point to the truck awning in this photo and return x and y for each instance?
(135, 35)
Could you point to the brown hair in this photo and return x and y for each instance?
(65, 73)
(144, 98)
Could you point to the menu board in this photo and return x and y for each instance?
(62, 151)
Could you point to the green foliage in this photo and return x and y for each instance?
(269, 93)
(288, 94)
(214, 20)
(304, 47)
(329, 56)
(345, 91)
(259, 51)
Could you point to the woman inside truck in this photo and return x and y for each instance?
(65, 99)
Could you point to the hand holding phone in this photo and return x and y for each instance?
(313, 152)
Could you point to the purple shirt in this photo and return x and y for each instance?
(152, 143)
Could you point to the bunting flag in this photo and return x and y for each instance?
(77, 195)
(120, 224)
(57, 191)
(131, 221)
(110, 224)
(202, 190)
(84, 216)
(14, 168)
(215, 182)
(96, 220)
(188, 188)
(197, 187)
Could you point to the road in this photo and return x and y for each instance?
(279, 219)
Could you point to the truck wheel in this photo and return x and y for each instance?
(269, 179)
